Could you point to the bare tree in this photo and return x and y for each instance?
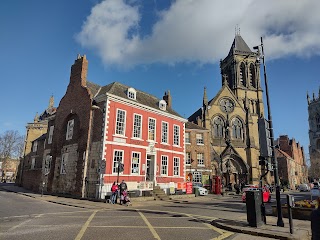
(11, 144)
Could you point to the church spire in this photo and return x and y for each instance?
(51, 102)
(205, 98)
(308, 98)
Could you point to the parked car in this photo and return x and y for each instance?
(202, 191)
(304, 187)
(265, 193)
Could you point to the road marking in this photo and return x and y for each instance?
(155, 234)
(23, 223)
(203, 228)
(224, 234)
(85, 226)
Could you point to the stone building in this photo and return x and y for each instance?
(8, 169)
(314, 134)
(34, 130)
(32, 165)
(292, 167)
(198, 154)
(232, 116)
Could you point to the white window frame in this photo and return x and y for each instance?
(117, 154)
(120, 122)
(199, 138)
(188, 158)
(47, 165)
(187, 138)
(197, 176)
(132, 93)
(163, 105)
(50, 134)
(64, 161)
(137, 126)
(200, 159)
(135, 165)
(164, 132)
(176, 166)
(35, 146)
(176, 135)
(70, 126)
(33, 163)
(152, 129)
(164, 165)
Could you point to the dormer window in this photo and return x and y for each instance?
(163, 105)
(132, 93)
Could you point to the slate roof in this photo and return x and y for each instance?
(190, 125)
(42, 137)
(193, 117)
(239, 46)
(94, 88)
(149, 100)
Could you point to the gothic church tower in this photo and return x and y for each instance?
(232, 116)
(314, 134)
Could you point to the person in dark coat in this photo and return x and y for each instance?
(315, 222)
(237, 188)
(123, 188)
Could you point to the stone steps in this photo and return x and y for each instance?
(159, 194)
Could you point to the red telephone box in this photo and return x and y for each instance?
(216, 184)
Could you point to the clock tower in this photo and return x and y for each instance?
(232, 117)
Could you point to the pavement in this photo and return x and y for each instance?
(301, 228)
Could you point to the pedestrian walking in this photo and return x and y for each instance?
(114, 190)
(315, 220)
(123, 187)
(237, 188)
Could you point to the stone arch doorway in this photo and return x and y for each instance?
(234, 171)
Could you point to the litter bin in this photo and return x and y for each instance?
(253, 204)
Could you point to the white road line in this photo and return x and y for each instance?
(23, 223)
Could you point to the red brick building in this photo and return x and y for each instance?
(95, 129)
(199, 165)
(292, 166)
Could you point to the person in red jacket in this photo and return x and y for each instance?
(114, 190)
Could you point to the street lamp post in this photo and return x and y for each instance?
(274, 160)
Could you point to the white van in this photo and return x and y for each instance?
(304, 187)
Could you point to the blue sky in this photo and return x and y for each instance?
(154, 46)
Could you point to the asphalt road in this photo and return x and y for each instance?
(23, 217)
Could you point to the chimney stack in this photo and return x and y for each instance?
(79, 70)
(167, 98)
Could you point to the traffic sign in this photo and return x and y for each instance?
(103, 165)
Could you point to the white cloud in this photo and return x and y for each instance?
(201, 30)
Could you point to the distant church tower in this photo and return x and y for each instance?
(314, 134)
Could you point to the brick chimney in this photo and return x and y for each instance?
(167, 98)
(79, 70)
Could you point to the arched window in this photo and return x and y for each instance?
(243, 80)
(318, 121)
(217, 127)
(237, 129)
(252, 76)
